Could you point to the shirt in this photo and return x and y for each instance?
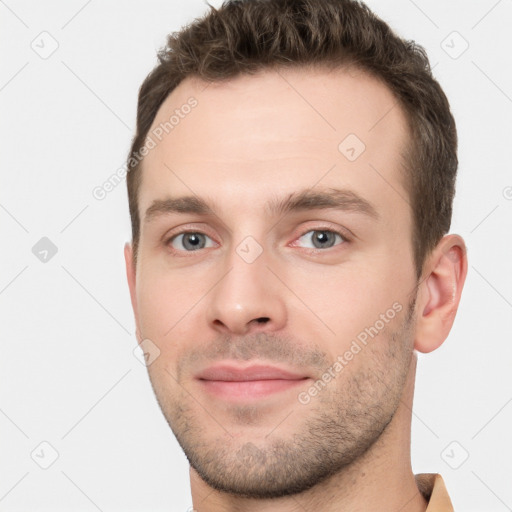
(431, 485)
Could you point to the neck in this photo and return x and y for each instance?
(381, 478)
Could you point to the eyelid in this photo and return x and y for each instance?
(169, 236)
(187, 228)
(345, 233)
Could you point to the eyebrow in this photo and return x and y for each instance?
(309, 199)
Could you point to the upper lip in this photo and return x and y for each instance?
(230, 372)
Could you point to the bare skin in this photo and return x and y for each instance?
(296, 294)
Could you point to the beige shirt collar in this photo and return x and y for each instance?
(431, 485)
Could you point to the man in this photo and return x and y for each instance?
(291, 184)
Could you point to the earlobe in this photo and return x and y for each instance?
(440, 293)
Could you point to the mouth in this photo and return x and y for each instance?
(230, 382)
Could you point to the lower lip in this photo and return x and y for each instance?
(249, 389)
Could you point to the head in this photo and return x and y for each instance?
(249, 36)
(294, 213)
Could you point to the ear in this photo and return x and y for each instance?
(439, 292)
(131, 277)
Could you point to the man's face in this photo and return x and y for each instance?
(297, 288)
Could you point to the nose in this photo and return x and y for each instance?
(248, 298)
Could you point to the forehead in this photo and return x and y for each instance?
(253, 137)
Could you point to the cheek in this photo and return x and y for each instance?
(172, 314)
(350, 308)
(154, 307)
(163, 299)
(340, 303)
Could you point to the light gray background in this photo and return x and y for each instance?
(68, 373)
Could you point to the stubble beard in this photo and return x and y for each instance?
(329, 434)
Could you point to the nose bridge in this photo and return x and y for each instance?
(245, 298)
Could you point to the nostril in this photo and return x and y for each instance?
(262, 319)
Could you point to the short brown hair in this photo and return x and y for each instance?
(246, 36)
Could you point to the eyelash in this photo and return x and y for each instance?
(316, 250)
(345, 239)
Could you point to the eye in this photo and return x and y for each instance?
(190, 241)
(321, 239)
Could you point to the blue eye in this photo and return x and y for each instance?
(321, 238)
(191, 241)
